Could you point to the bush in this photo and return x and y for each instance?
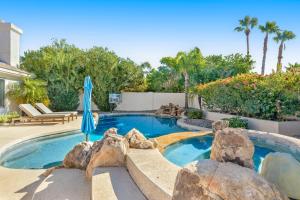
(29, 91)
(62, 100)
(6, 118)
(272, 97)
(195, 114)
(237, 122)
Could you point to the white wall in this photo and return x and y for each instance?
(80, 108)
(146, 101)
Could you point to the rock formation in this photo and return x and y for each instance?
(212, 180)
(171, 109)
(232, 145)
(138, 141)
(109, 152)
(79, 156)
(283, 170)
(219, 125)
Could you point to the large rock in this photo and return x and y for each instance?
(138, 141)
(79, 156)
(109, 152)
(171, 109)
(212, 180)
(283, 170)
(220, 125)
(232, 145)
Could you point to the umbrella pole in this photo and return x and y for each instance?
(86, 137)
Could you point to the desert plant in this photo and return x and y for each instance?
(29, 91)
(237, 122)
(194, 114)
(282, 37)
(245, 26)
(268, 28)
(7, 117)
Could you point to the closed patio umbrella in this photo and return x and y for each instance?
(87, 124)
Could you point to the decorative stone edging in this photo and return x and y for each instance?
(182, 124)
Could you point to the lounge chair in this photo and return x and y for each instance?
(44, 109)
(34, 114)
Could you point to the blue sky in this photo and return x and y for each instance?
(148, 30)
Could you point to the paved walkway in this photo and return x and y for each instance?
(16, 184)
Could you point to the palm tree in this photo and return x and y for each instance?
(268, 28)
(282, 37)
(185, 63)
(246, 25)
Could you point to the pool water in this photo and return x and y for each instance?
(50, 151)
(199, 148)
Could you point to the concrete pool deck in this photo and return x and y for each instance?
(18, 184)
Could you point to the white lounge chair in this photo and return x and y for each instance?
(34, 114)
(44, 109)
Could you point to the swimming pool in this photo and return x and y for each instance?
(49, 151)
(198, 148)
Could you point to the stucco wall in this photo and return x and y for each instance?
(290, 128)
(80, 108)
(145, 101)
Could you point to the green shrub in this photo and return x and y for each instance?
(272, 97)
(237, 122)
(195, 114)
(29, 91)
(7, 117)
(62, 100)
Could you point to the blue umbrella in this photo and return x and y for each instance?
(87, 124)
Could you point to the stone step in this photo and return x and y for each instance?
(154, 175)
(114, 183)
(64, 184)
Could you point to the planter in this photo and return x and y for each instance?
(290, 128)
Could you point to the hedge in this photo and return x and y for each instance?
(273, 97)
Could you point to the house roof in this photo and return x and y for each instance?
(7, 71)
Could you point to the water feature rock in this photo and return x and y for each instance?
(232, 145)
(283, 170)
(219, 125)
(137, 140)
(212, 180)
(79, 156)
(171, 109)
(109, 152)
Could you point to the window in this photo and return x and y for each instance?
(2, 92)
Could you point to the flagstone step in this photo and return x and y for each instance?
(64, 184)
(114, 183)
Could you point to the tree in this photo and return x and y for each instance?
(282, 37)
(245, 26)
(185, 63)
(268, 28)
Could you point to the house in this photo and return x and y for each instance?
(9, 63)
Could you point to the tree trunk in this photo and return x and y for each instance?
(186, 89)
(279, 64)
(264, 54)
(248, 46)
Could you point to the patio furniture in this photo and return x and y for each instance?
(35, 115)
(44, 109)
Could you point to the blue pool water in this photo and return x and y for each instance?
(198, 148)
(47, 152)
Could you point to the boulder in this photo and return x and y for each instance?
(232, 145)
(79, 156)
(111, 131)
(171, 109)
(283, 170)
(137, 140)
(219, 125)
(212, 180)
(109, 152)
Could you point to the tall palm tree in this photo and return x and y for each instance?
(245, 26)
(282, 37)
(185, 63)
(268, 28)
